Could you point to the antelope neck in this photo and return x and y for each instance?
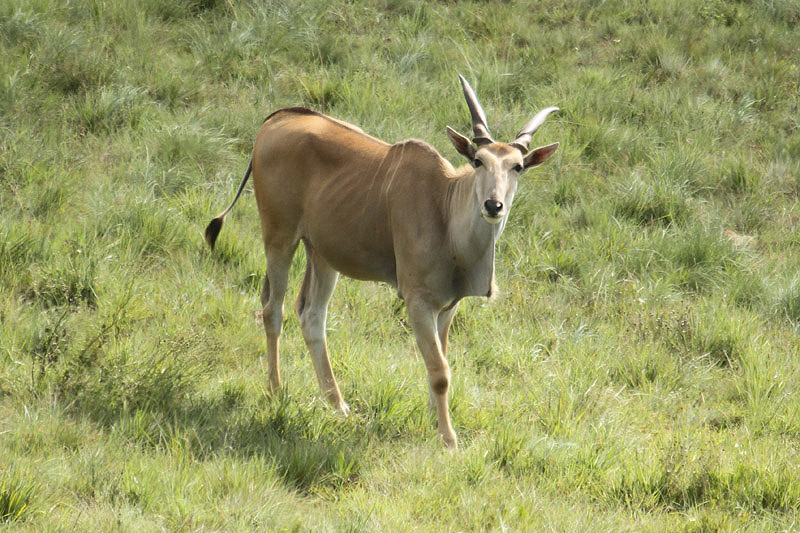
(472, 238)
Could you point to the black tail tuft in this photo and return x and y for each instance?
(213, 229)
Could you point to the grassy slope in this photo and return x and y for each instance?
(639, 371)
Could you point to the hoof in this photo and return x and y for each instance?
(343, 409)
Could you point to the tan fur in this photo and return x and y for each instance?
(399, 214)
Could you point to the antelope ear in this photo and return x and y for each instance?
(539, 155)
(463, 145)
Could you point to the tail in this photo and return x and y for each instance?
(214, 227)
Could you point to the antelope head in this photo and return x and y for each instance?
(498, 165)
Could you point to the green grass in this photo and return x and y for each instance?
(638, 371)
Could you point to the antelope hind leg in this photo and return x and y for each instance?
(312, 310)
(272, 295)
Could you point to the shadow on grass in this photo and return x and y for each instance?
(311, 449)
(148, 394)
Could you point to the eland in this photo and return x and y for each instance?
(394, 213)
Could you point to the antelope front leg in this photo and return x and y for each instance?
(443, 322)
(424, 323)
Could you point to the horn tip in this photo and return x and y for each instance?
(465, 84)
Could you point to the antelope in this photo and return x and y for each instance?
(394, 213)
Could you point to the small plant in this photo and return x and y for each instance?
(69, 63)
(107, 110)
(789, 301)
(321, 94)
(738, 178)
(700, 258)
(48, 342)
(71, 282)
(654, 201)
(317, 467)
(17, 249)
(15, 498)
(508, 450)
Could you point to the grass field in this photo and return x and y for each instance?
(640, 370)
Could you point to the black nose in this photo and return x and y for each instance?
(493, 207)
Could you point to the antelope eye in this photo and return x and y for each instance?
(476, 163)
(517, 168)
